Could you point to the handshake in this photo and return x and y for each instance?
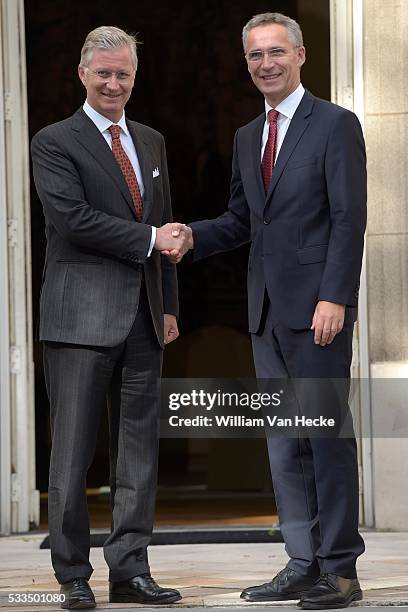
(174, 240)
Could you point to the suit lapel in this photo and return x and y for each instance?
(90, 137)
(298, 125)
(146, 165)
(256, 154)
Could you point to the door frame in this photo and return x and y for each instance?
(347, 89)
(19, 498)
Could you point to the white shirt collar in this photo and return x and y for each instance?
(101, 122)
(289, 105)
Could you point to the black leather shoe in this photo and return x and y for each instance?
(78, 595)
(331, 591)
(286, 585)
(141, 589)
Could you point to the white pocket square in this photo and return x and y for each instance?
(156, 172)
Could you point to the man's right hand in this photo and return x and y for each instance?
(174, 240)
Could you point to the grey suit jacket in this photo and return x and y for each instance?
(96, 249)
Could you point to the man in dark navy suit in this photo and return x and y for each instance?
(298, 193)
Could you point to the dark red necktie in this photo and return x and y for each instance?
(270, 149)
(127, 170)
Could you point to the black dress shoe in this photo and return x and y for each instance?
(78, 595)
(331, 591)
(286, 585)
(141, 589)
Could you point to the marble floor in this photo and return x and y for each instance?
(208, 575)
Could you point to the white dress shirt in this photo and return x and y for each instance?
(286, 109)
(103, 124)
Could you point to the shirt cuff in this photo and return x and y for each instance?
(152, 241)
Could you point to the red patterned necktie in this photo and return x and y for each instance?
(270, 149)
(127, 170)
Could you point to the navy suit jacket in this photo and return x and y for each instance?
(307, 231)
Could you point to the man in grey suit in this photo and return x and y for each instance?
(108, 306)
(298, 193)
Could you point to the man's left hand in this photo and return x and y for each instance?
(171, 331)
(328, 320)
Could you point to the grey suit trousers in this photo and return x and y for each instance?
(79, 380)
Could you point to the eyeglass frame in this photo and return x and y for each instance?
(271, 53)
(110, 73)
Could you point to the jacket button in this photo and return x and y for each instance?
(267, 220)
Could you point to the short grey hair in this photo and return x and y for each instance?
(108, 37)
(264, 19)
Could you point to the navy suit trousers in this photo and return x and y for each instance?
(315, 478)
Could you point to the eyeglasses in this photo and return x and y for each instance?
(274, 53)
(106, 75)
